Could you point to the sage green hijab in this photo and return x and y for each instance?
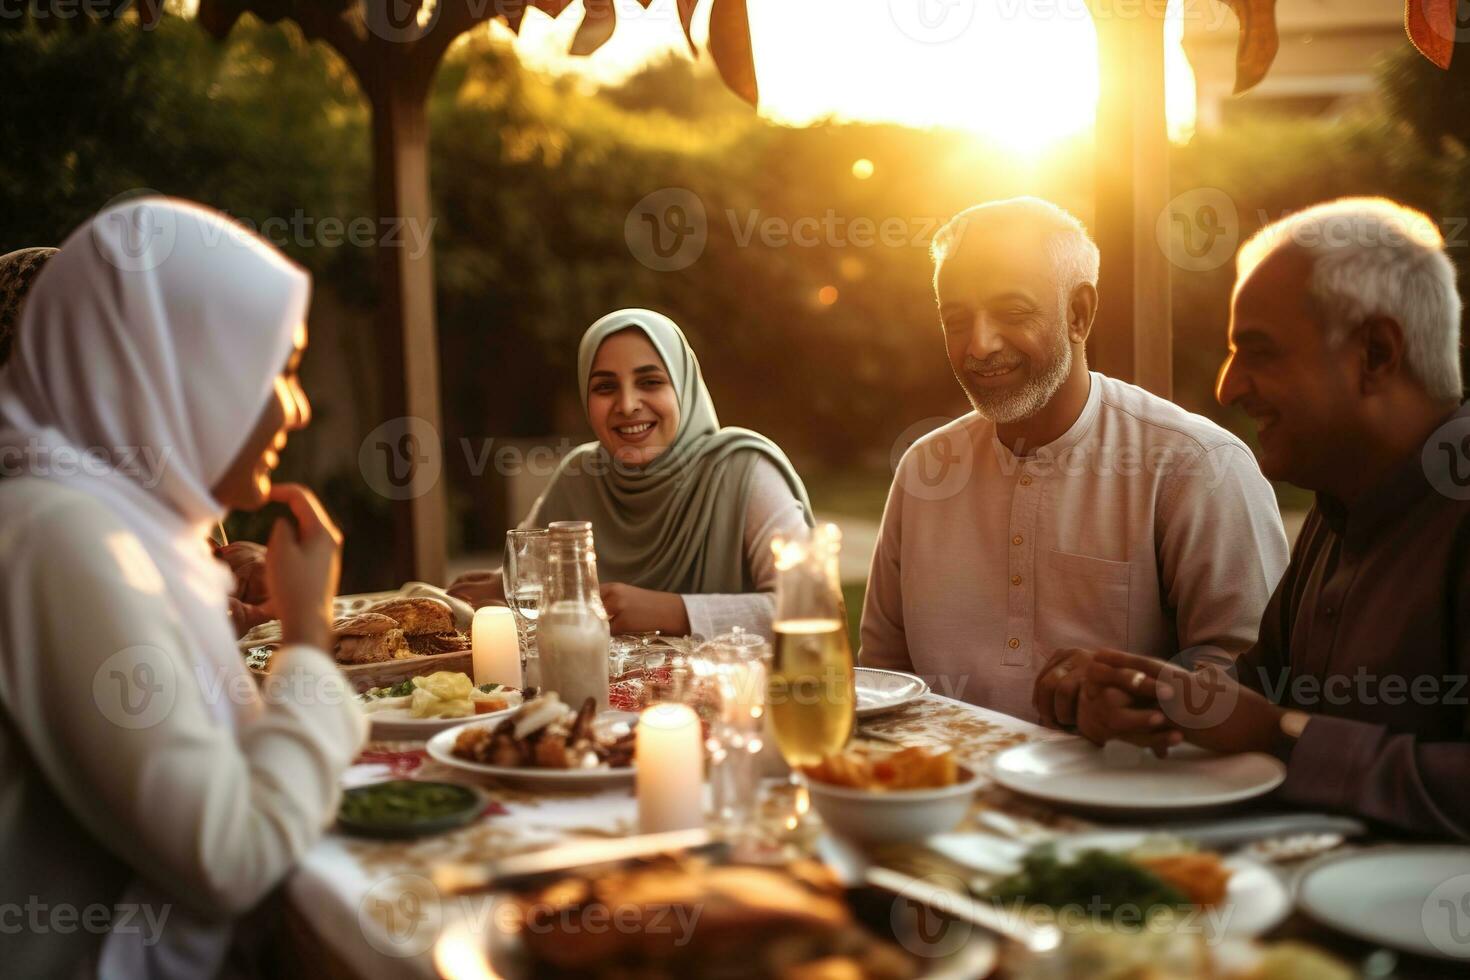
(677, 524)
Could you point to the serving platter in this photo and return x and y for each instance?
(1074, 772)
(1411, 898)
(440, 748)
(880, 691)
(392, 724)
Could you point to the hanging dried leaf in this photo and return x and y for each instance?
(551, 8)
(729, 44)
(1431, 26)
(1258, 42)
(686, 18)
(598, 24)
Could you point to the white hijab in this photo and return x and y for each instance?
(145, 354)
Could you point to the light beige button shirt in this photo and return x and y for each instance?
(1142, 528)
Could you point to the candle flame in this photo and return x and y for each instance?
(457, 956)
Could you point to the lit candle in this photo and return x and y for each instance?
(496, 652)
(670, 774)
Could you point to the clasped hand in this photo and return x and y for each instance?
(1109, 694)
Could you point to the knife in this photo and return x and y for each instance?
(855, 868)
(997, 855)
(528, 870)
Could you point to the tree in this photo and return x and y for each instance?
(394, 48)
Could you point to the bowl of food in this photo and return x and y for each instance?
(889, 797)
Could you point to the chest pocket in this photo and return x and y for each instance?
(1083, 602)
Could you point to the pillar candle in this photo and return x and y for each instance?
(670, 775)
(496, 651)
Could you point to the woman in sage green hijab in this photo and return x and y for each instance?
(682, 510)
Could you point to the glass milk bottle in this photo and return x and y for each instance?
(573, 633)
(811, 697)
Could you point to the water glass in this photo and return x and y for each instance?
(736, 662)
(524, 577)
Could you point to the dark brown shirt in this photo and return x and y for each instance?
(1369, 631)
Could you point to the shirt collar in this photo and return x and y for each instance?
(1075, 433)
(1392, 495)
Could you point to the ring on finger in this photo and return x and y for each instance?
(1136, 681)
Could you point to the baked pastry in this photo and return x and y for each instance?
(363, 624)
(417, 617)
(373, 648)
(686, 918)
(425, 644)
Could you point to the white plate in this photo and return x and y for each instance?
(883, 690)
(1075, 772)
(441, 748)
(1412, 898)
(391, 724)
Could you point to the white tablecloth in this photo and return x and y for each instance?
(374, 905)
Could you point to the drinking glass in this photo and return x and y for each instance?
(737, 663)
(810, 697)
(524, 577)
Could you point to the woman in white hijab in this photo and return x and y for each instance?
(149, 791)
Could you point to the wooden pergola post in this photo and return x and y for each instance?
(407, 334)
(1133, 337)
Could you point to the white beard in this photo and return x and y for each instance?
(1004, 406)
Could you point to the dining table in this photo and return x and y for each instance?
(360, 908)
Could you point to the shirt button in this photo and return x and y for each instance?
(1013, 643)
(1015, 580)
(1017, 539)
(1025, 481)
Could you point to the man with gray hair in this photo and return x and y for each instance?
(1070, 511)
(1345, 349)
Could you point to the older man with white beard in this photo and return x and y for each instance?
(1068, 512)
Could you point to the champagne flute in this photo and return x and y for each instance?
(524, 577)
(811, 699)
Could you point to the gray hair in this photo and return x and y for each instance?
(1375, 257)
(1073, 253)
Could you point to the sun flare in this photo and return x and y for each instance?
(1018, 73)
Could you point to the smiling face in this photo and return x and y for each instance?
(1301, 391)
(1005, 321)
(631, 401)
(247, 483)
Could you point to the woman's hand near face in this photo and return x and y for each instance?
(635, 610)
(303, 567)
(479, 588)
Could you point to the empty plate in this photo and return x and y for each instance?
(1074, 772)
(883, 690)
(1415, 899)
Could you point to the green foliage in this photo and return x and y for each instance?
(533, 180)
